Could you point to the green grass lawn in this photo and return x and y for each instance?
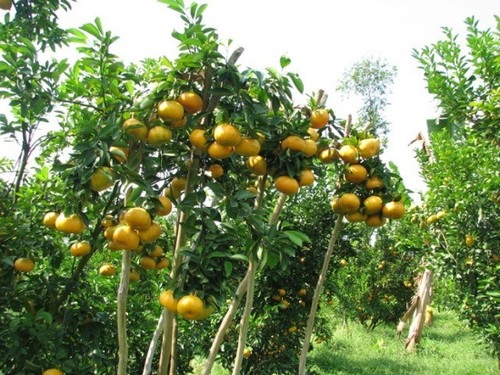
(446, 348)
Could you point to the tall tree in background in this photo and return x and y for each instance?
(370, 79)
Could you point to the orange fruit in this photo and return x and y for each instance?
(147, 263)
(293, 143)
(107, 270)
(257, 164)
(343, 262)
(356, 173)
(374, 182)
(198, 139)
(126, 238)
(170, 110)
(24, 265)
(306, 177)
(166, 206)
(179, 183)
(376, 220)
(151, 234)
(137, 218)
(310, 148)
(135, 128)
(286, 185)
(336, 205)
(108, 221)
(373, 204)
(5, 4)
(431, 219)
(134, 275)
(247, 352)
(349, 154)
(191, 307)
(218, 151)
(53, 371)
(178, 124)
(216, 171)
(108, 233)
(368, 148)
(101, 179)
(349, 203)
(49, 219)
(319, 118)
(162, 263)
(168, 301)
(113, 246)
(356, 217)
(227, 135)
(469, 240)
(394, 210)
(191, 101)
(247, 147)
(327, 155)
(80, 249)
(292, 329)
(156, 252)
(71, 224)
(313, 133)
(119, 153)
(159, 135)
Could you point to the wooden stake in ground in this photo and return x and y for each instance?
(424, 294)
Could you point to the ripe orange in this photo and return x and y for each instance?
(293, 143)
(218, 151)
(311, 148)
(257, 164)
(343, 262)
(53, 371)
(159, 135)
(24, 264)
(151, 234)
(356, 173)
(198, 139)
(227, 135)
(168, 301)
(247, 147)
(376, 220)
(306, 177)
(108, 233)
(469, 240)
(247, 352)
(431, 219)
(191, 102)
(319, 118)
(166, 206)
(292, 329)
(302, 292)
(137, 218)
(134, 275)
(313, 133)
(356, 217)
(101, 179)
(108, 221)
(179, 183)
(216, 171)
(119, 153)
(282, 292)
(191, 307)
(368, 148)
(147, 263)
(374, 182)
(162, 263)
(169, 110)
(394, 210)
(49, 219)
(349, 154)
(336, 205)
(5, 4)
(178, 124)
(113, 246)
(327, 155)
(126, 238)
(286, 185)
(349, 203)
(71, 224)
(373, 204)
(156, 252)
(135, 128)
(107, 270)
(80, 249)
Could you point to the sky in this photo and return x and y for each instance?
(323, 38)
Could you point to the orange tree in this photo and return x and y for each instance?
(461, 205)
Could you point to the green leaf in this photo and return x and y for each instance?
(228, 268)
(299, 85)
(239, 257)
(298, 238)
(284, 61)
(92, 30)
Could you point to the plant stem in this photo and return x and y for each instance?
(317, 293)
(156, 336)
(122, 313)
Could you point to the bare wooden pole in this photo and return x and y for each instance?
(122, 313)
(424, 293)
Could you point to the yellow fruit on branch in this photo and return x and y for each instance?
(286, 185)
(107, 270)
(313, 133)
(368, 148)
(119, 153)
(431, 219)
(71, 224)
(336, 205)
(108, 221)
(169, 110)
(166, 206)
(101, 179)
(137, 218)
(136, 129)
(216, 171)
(156, 252)
(247, 352)
(80, 249)
(191, 307)
(159, 135)
(134, 275)
(227, 135)
(373, 204)
(306, 177)
(356, 217)
(162, 263)
(327, 155)
(179, 183)
(147, 263)
(198, 139)
(319, 118)
(151, 234)
(24, 265)
(168, 301)
(218, 151)
(293, 143)
(343, 262)
(191, 101)
(5, 4)
(374, 182)
(393, 210)
(126, 237)
(257, 164)
(310, 148)
(356, 173)
(349, 154)
(375, 221)
(349, 203)
(247, 147)
(53, 371)
(469, 240)
(49, 219)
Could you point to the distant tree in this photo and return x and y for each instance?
(370, 79)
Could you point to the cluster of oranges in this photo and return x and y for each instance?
(362, 198)
(190, 306)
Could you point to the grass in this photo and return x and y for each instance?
(446, 348)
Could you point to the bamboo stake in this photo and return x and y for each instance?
(122, 313)
(417, 324)
(151, 351)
